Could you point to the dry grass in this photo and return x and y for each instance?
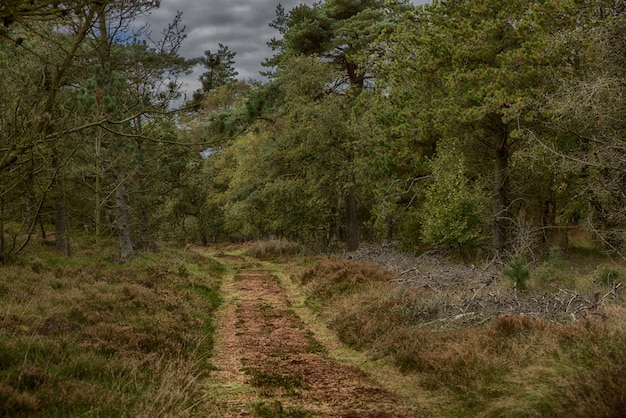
(503, 365)
(271, 249)
(336, 278)
(79, 336)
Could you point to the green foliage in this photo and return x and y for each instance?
(97, 336)
(474, 74)
(527, 95)
(607, 275)
(89, 102)
(452, 208)
(517, 270)
(588, 102)
(407, 228)
(220, 66)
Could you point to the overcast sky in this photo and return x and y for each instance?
(242, 25)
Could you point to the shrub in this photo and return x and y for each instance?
(517, 271)
(330, 279)
(273, 248)
(452, 211)
(607, 275)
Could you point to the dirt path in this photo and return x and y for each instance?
(270, 364)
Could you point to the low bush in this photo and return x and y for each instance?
(266, 250)
(607, 275)
(517, 271)
(333, 278)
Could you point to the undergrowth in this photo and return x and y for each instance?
(337, 278)
(80, 336)
(511, 365)
(271, 249)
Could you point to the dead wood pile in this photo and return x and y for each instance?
(466, 294)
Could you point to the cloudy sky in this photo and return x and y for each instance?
(242, 25)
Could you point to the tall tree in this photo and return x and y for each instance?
(478, 70)
(87, 75)
(129, 96)
(38, 62)
(584, 120)
(341, 33)
(220, 68)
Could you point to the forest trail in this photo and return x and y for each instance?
(268, 361)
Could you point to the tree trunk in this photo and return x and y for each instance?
(62, 236)
(500, 195)
(204, 240)
(390, 225)
(44, 237)
(127, 250)
(98, 203)
(352, 229)
(61, 227)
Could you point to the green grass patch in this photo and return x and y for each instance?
(264, 379)
(607, 275)
(276, 410)
(80, 336)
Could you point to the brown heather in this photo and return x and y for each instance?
(497, 365)
(272, 249)
(336, 278)
(83, 337)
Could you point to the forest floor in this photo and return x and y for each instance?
(273, 359)
(264, 330)
(381, 333)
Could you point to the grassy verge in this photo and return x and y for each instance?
(505, 365)
(79, 336)
(273, 249)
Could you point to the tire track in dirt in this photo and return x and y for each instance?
(265, 355)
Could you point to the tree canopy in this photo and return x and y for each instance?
(494, 126)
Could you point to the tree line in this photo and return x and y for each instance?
(459, 125)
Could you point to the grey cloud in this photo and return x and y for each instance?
(242, 25)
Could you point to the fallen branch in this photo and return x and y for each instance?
(612, 291)
(570, 302)
(476, 293)
(571, 292)
(450, 318)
